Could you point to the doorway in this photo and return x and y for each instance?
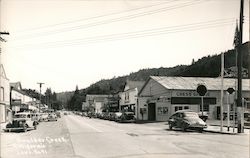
(151, 112)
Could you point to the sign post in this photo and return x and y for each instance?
(201, 90)
(230, 91)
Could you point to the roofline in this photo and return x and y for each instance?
(4, 76)
(151, 77)
(139, 93)
(131, 81)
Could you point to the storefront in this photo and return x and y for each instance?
(128, 98)
(160, 97)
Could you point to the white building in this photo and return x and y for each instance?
(128, 98)
(96, 102)
(160, 97)
(19, 99)
(5, 111)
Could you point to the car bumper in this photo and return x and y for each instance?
(52, 119)
(13, 129)
(197, 126)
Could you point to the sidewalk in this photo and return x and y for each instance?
(214, 126)
(217, 129)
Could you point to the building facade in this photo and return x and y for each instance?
(20, 101)
(160, 97)
(95, 103)
(5, 111)
(128, 98)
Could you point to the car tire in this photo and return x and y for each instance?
(183, 128)
(25, 128)
(35, 127)
(9, 125)
(170, 126)
(200, 130)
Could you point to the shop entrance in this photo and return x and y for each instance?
(151, 112)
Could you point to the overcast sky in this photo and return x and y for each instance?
(65, 43)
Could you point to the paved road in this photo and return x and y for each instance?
(100, 138)
(51, 139)
(79, 137)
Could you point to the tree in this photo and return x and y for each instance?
(48, 97)
(193, 62)
(75, 102)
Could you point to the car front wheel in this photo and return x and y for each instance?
(25, 128)
(200, 130)
(170, 126)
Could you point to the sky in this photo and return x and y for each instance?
(64, 43)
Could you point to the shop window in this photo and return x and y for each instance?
(231, 107)
(186, 107)
(162, 110)
(2, 94)
(248, 106)
(205, 107)
(178, 108)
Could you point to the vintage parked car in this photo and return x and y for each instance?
(203, 116)
(105, 116)
(125, 117)
(52, 117)
(112, 116)
(247, 119)
(36, 117)
(22, 122)
(44, 117)
(58, 114)
(186, 119)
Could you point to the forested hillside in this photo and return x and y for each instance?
(205, 67)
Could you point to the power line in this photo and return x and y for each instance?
(138, 34)
(91, 18)
(126, 36)
(110, 20)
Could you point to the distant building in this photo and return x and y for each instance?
(20, 101)
(128, 98)
(160, 97)
(5, 111)
(95, 103)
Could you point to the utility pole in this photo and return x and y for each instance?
(2, 40)
(3, 33)
(239, 67)
(40, 85)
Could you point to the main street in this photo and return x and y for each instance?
(74, 136)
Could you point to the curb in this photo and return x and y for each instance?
(219, 132)
(245, 127)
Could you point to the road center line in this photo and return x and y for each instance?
(82, 123)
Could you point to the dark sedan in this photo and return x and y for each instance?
(186, 119)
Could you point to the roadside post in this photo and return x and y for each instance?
(230, 91)
(201, 90)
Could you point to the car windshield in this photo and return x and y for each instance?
(20, 116)
(190, 114)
